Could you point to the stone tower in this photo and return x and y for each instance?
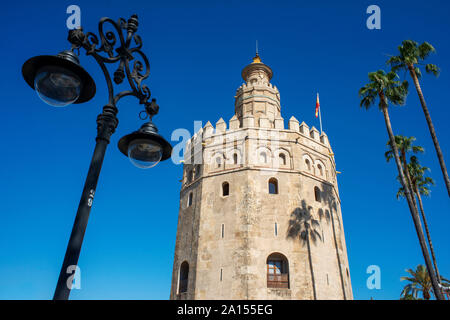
(260, 213)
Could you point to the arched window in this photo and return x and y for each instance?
(319, 168)
(235, 158)
(282, 159)
(189, 176)
(273, 186)
(277, 271)
(308, 164)
(191, 195)
(184, 275)
(218, 162)
(197, 171)
(225, 189)
(317, 194)
(263, 157)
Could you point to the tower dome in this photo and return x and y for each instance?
(257, 97)
(257, 70)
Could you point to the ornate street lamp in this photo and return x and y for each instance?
(60, 80)
(145, 148)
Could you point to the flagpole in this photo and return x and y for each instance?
(320, 120)
(320, 115)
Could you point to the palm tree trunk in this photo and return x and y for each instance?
(425, 224)
(412, 208)
(430, 127)
(311, 265)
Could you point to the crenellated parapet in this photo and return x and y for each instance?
(257, 84)
(223, 147)
(249, 122)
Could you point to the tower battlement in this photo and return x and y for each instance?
(221, 128)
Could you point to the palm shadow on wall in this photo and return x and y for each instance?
(330, 202)
(303, 226)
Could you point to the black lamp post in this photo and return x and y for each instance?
(60, 80)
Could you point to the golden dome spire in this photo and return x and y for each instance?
(257, 59)
(256, 66)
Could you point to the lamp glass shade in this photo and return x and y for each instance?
(57, 86)
(144, 153)
(59, 80)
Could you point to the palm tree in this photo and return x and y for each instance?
(410, 56)
(421, 186)
(387, 88)
(304, 225)
(404, 145)
(419, 282)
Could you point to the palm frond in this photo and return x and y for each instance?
(432, 68)
(418, 72)
(424, 50)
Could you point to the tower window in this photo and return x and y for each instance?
(282, 159)
(221, 274)
(263, 157)
(308, 164)
(223, 230)
(235, 158)
(319, 167)
(225, 189)
(191, 195)
(189, 176)
(277, 271)
(218, 162)
(276, 229)
(184, 275)
(317, 194)
(273, 186)
(197, 171)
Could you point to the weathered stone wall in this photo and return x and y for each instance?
(249, 214)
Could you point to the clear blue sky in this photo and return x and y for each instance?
(197, 51)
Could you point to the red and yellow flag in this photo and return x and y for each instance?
(317, 106)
